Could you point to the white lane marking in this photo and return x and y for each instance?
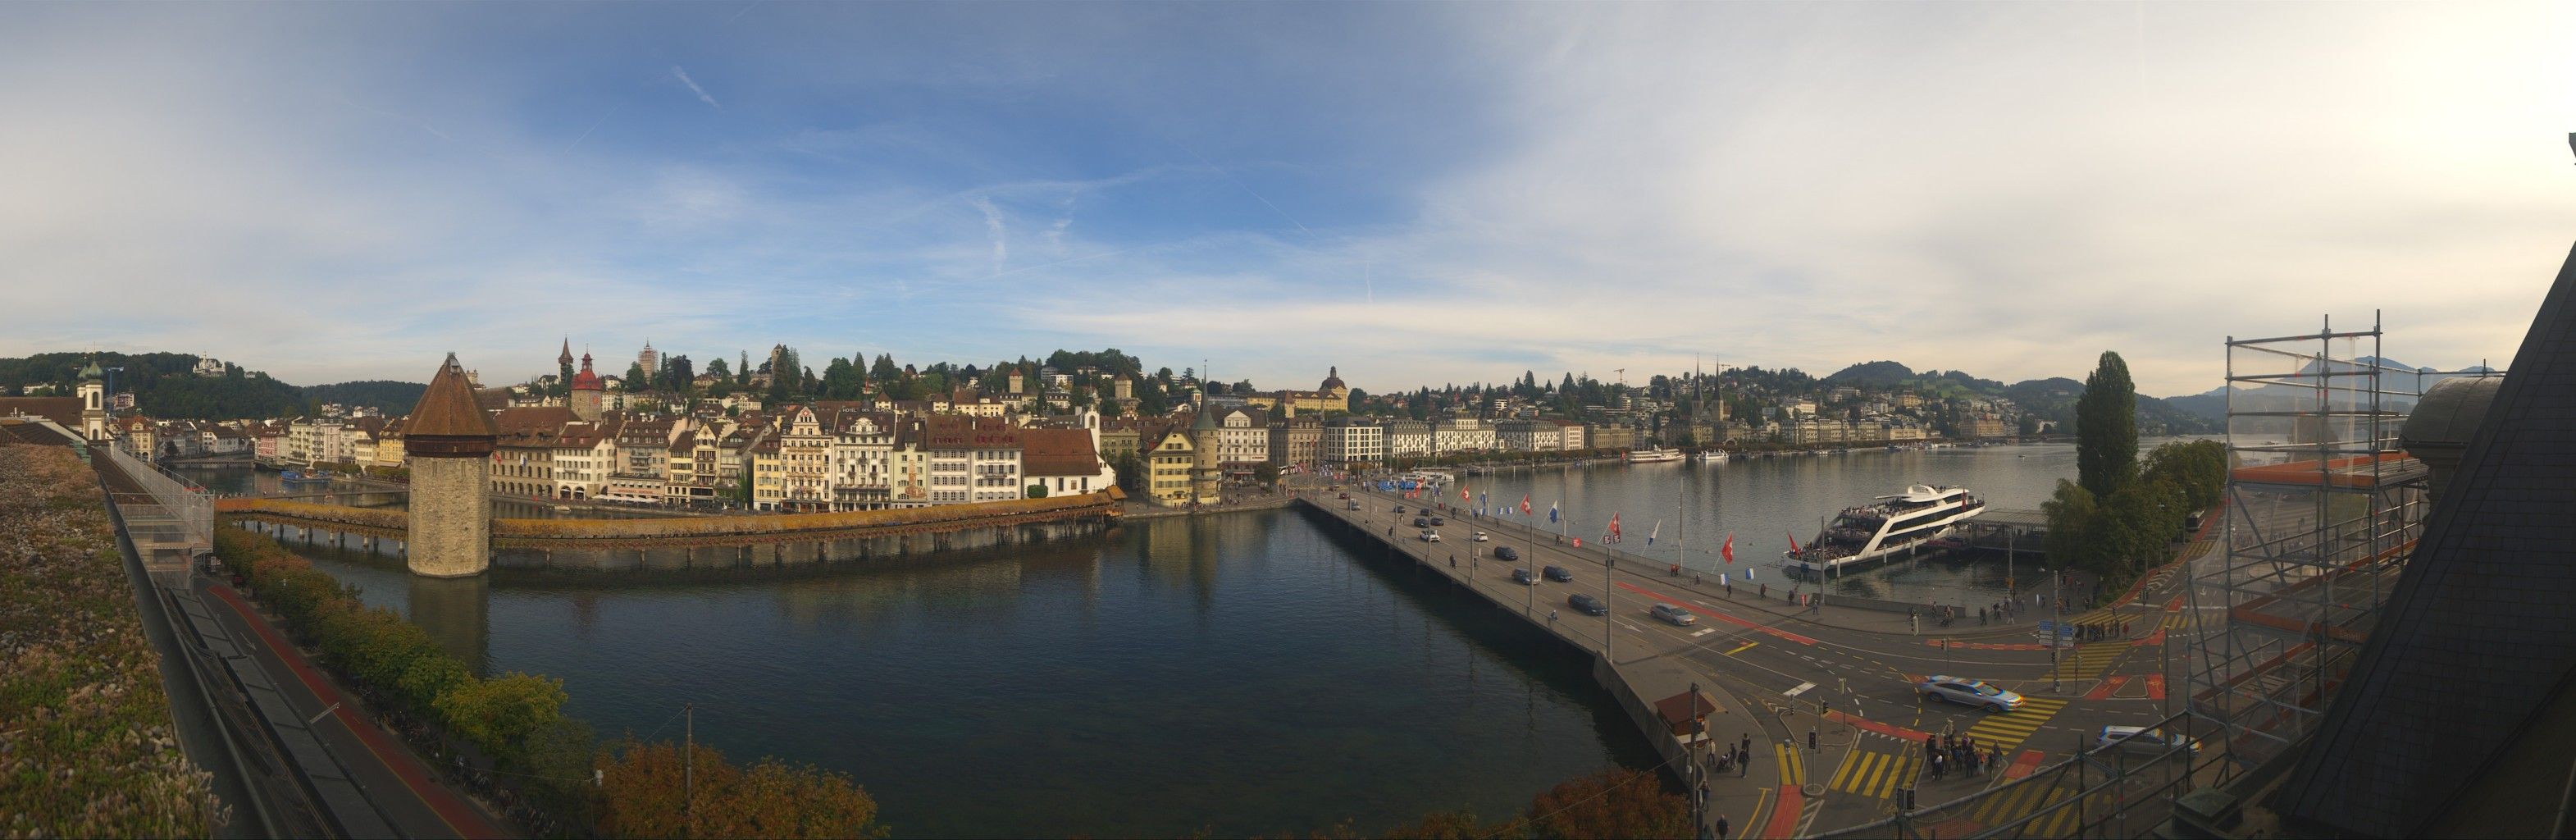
(1801, 689)
(1703, 632)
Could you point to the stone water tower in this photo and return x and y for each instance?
(450, 443)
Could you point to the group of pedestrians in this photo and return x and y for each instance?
(2007, 611)
(1945, 754)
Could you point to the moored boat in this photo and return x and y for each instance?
(1654, 455)
(1886, 526)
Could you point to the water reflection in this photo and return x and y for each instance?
(457, 612)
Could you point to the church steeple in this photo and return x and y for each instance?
(565, 359)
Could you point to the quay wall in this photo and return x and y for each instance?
(1614, 679)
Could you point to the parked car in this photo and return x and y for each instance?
(2142, 740)
(1429, 535)
(1558, 574)
(1478, 536)
(1674, 615)
(1523, 576)
(1968, 693)
(1505, 552)
(1588, 604)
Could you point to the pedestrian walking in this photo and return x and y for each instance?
(1936, 767)
(1743, 763)
(1721, 827)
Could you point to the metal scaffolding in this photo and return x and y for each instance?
(2323, 507)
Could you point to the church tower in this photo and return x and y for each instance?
(563, 362)
(1205, 470)
(93, 395)
(450, 445)
(586, 392)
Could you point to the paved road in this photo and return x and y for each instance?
(1823, 674)
(403, 789)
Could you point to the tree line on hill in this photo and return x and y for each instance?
(167, 386)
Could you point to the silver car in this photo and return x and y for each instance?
(1976, 693)
(1677, 616)
(2141, 740)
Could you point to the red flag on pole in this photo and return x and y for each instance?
(1793, 543)
(1525, 508)
(1728, 550)
(1462, 491)
(1614, 528)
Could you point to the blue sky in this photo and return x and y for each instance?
(1418, 193)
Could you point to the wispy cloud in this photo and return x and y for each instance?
(694, 88)
(993, 226)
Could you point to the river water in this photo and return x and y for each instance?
(1240, 674)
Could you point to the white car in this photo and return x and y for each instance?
(1976, 693)
(1429, 535)
(2141, 739)
(1478, 536)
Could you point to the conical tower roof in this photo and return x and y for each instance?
(92, 372)
(447, 409)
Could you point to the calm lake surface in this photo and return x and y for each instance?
(1239, 674)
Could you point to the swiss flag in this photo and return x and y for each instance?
(1525, 508)
(1728, 550)
(1462, 491)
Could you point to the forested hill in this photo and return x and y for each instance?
(392, 398)
(167, 386)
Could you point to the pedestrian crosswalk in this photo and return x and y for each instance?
(2087, 661)
(2005, 729)
(2005, 805)
(1877, 775)
(1793, 764)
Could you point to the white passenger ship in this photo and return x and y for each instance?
(1654, 456)
(1886, 526)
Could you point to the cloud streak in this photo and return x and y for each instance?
(683, 76)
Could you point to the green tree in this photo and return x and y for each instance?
(1267, 473)
(2072, 514)
(499, 714)
(2106, 428)
(635, 380)
(1037, 491)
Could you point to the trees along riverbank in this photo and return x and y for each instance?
(2121, 515)
(515, 723)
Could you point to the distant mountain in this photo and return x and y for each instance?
(392, 398)
(1871, 375)
(2399, 380)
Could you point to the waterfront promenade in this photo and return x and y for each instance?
(1824, 695)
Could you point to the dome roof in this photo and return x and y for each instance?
(92, 372)
(1332, 378)
(2449, 413)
